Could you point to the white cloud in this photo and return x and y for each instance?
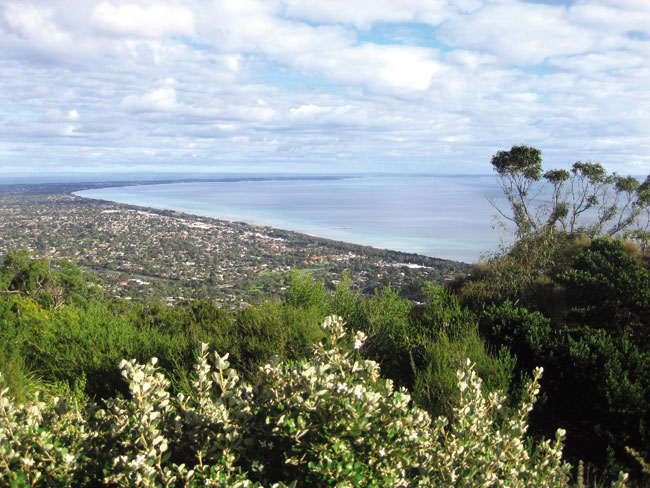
(269, 81)
(518, 33)
(71, 131)
(162, 99)
(29, 21)
(309, 109)
(612, 16)
(56, 115)
(255, 112)
(316, 116)
(328, 51)
(33, 29)
(396, 68)
(132, 20)
(364, 14)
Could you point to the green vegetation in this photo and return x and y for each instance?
(326, 420)
(574, 297)
(81, 335)
(299, 398)
(73, 348)
(584, 200)
(592, 340)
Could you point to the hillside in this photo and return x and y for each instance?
(303, 385)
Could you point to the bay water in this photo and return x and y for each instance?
(446, 217)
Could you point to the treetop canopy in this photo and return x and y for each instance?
(523, 160)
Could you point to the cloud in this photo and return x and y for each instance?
(132, 20)
(310, 109)
(325, 50)
(162, 99)
(364, 14)
(32, 29)
(518, 33)
(30, 22)
(431, 85)
(399, 69)
(56, 115)
(611, 16)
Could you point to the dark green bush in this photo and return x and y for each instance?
(607, 288)
(596, 386)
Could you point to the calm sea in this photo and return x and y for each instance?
(440, 216)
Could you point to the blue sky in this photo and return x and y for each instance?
(323, 86)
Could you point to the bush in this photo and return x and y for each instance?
(50, 287)
(597, 384)
(330, 420)
(444, 335)
(607, 288)
(304, 292)
(258, 333)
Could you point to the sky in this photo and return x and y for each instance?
(321, 86)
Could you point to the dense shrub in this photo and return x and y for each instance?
(271, 329)
(607, 288)
(56, 335)
(515, 274)
(580, 308)
(50, 286)
(421, 346)
(304, 292)
(444, 334)
(597, 384)
(329, 420)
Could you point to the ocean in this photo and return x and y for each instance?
(446, 217)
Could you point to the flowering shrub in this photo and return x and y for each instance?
(331, 420)
(39, 443)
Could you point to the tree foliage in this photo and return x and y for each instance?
(37, 279)
(585, 199)
(518, 170)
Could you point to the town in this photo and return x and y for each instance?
(149, 254)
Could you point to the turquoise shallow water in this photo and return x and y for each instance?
(440, 216)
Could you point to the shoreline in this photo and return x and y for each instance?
(324, 240)
(382, 213)
(149, 253)
(439, 238)
(71, 187)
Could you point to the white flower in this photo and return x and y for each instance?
(359, 337)
(382, 452)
